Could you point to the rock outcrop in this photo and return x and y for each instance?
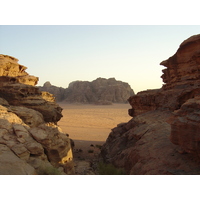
(163, 136)
(99, 91)
(30, 140)
(18, 88)
(185, 126)
(14, 71)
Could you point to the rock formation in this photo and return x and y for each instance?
(163, 135)
(99, 91)
(10, 68)
(30, 140)
(58, 92)
(18, 88)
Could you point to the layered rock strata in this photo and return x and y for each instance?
(185, 126)
(163, 136)
(14, 71)
(181, 78)
(18, 88)
(99, 91)
(30, 140)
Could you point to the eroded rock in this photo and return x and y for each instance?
(18, 88)
(28, 144)
(163, 136)
(100, 91)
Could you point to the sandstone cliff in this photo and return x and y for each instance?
(99, 91)
(163, 136)
(30, 140)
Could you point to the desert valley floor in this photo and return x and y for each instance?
(92, 122)
(89, 125)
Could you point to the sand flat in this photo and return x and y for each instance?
(92, 122)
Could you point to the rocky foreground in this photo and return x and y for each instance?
(163, 137)
(100, 91)
(30, 140)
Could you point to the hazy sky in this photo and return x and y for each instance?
(65, 53)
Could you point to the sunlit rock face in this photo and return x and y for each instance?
(30, 140)
(15, 72)
(163, 136)
(18, 88)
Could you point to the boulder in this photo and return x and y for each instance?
(32, 143)
(11, 164)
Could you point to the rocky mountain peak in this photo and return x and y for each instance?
(47, 84)
(99, 91)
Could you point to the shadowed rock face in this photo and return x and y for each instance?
(163, 136)
(181, 78)
(99, 91)
(185, 126)
(28, 144)
(183, 67)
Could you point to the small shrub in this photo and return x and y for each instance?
(49, 171)
(109, 169)
(98, 146)
(90, 151)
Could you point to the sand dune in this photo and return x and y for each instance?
(92, 122)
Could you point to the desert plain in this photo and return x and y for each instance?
(92, 122)
(89, 125)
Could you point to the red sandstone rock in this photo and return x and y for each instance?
(164, 121)
(185, 126)
(181, 78)
(142, 147)
(184, 66)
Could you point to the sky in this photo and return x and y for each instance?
(65, 53)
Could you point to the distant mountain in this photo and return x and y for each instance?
(99, 91)
(58, 92)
